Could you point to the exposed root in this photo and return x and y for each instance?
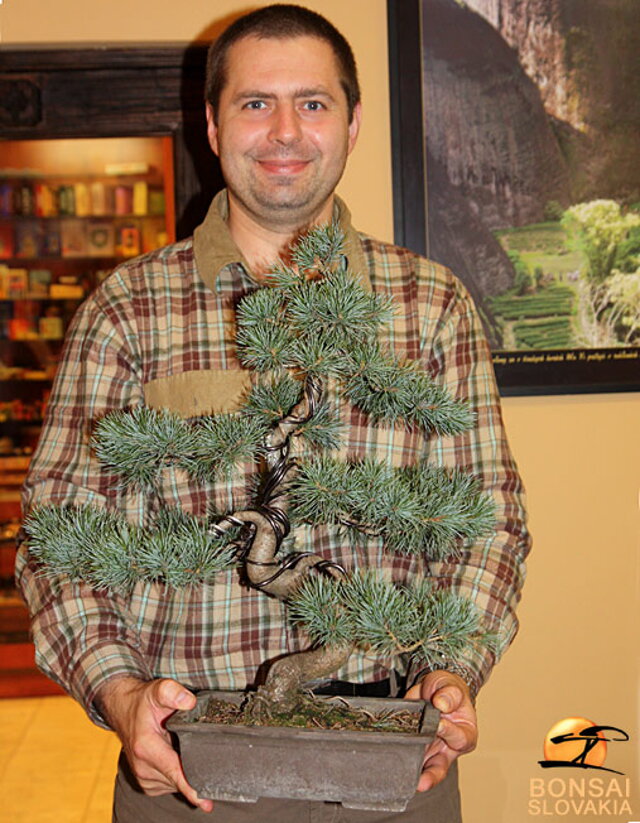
(288, 676)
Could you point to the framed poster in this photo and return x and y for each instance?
(516, 162)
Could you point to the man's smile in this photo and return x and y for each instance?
(288, 167)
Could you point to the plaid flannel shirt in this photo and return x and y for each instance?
(160, 331)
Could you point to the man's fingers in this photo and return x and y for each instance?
(137, 710)
(447, 691)
(163, 774)
(448, 699)
(459, 736)
(457, 729)
(434, 771)
(414, 693)
(155, 763)
(189, 792)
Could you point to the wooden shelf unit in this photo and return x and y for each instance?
(49, 96)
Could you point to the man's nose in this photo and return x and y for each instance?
(285, 125)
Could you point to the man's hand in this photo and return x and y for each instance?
(136, 710)
(458, 728)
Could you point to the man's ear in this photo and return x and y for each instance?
(212, 129)
(354, 125)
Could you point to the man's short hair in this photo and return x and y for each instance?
(281, 21)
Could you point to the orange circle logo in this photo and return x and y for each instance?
(570, 741)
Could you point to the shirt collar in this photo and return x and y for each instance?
(214, 248)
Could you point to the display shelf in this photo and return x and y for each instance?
(66, 221)
(40, 378)
(41, 299)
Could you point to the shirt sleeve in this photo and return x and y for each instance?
(82, 637)
(490, 572)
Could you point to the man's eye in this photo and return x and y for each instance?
(255, 105)
(313, 105)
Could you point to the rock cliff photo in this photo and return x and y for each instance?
(532, 111)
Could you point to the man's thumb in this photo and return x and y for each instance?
(172, 695)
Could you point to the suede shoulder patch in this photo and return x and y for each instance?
(196, 393)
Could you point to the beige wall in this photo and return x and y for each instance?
(578, 649)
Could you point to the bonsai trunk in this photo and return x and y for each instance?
(269, 524)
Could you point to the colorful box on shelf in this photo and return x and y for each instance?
(22, 328)
(39, 282)
(51, 246)
(66, 291)
(51, 328)
(101, 238)
(14, 283)
(140, 198)
(73, 235)
(128, 244)
(6, 241)
(46, 200)
(156, 202)
(28, 238)
(6, 199)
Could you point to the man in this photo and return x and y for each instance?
(283, 114)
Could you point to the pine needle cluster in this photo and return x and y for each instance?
(99, 547)
(389, 619)
(391, 390)
(317, 318)
(138, 444)
(417, 509)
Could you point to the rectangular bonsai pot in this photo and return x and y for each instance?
(361, 770)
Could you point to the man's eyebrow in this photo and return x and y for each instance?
(253, 94)
(316, 91)
(257, 94)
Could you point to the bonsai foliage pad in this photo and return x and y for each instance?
(361, 770)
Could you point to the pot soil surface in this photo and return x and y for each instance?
(311, 713)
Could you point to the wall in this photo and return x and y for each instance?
(578, 648)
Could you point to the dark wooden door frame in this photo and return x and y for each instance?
(115, 91)
(407, 144)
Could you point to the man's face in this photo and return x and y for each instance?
(282, 131)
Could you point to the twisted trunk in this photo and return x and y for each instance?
(269, 524)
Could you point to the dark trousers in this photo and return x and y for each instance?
(440, 805)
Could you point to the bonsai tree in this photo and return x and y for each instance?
(312, 323)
